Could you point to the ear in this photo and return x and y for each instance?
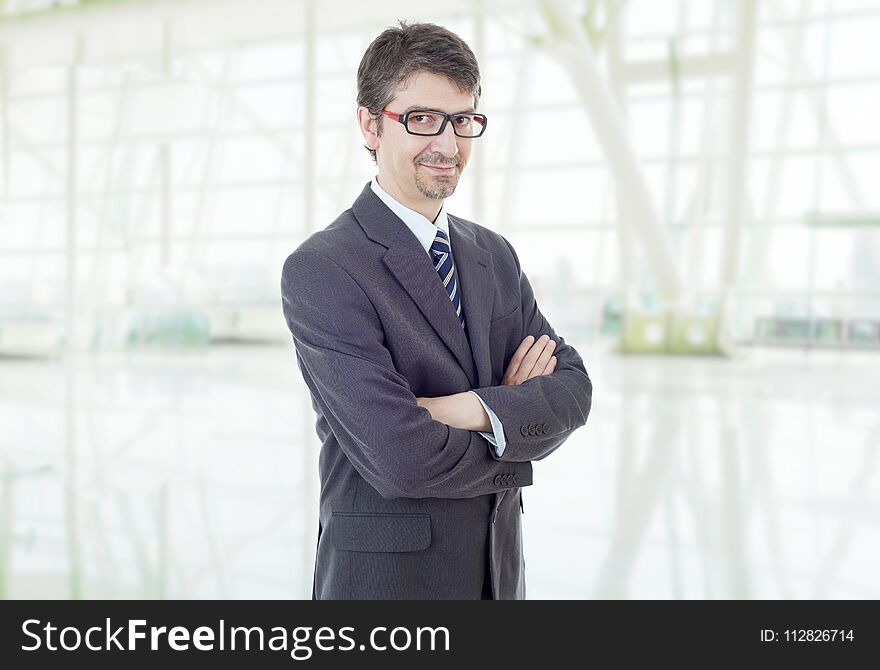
(369, 128)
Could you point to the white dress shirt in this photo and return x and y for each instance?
(426, 231)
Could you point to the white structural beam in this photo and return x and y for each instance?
(479, 167)
(626, 246)
(4, 118)
(165, 162)
(309, 490)
(737, 192)
(699, 206)
(310, 166)
(574, 52)
(517, 135)
(71, 506)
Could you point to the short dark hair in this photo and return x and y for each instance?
(399, 53)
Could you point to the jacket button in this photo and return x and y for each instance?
(539, 429)
(524, 430)
(531, 429)
(497, 480)
(546, 429)
(508, 480)
(515, 479)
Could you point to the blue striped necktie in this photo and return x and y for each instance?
(442, 253)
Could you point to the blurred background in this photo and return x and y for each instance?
(688, 184)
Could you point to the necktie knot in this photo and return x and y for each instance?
(440, 245)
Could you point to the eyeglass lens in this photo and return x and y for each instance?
(428, 123)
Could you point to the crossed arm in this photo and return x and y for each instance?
(462, 410)
(398, 447)
(393, 443)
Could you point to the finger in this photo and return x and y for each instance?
(543, 359)
(551, 366)
(528, 362)
(531, 358)
(516, 359)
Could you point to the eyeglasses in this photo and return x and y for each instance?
(430, 122)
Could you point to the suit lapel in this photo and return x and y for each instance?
(473, 266)
(407, 261)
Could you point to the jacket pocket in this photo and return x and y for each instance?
(380, 532)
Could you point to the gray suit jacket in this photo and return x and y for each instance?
(411, 508)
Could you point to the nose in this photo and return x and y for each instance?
(446, 142)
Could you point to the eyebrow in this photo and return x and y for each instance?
(432, 109)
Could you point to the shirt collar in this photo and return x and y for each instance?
(421, 227)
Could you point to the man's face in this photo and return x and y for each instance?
(421, 171)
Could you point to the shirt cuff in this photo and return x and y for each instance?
(496, 439)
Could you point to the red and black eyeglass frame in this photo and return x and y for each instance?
(402, 118)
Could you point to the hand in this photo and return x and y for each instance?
(459, 410)
(531, 359)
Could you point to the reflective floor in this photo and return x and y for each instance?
(194, 475)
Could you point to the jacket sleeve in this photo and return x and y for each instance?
(539, 414)
(395, 444)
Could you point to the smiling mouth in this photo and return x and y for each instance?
(443, 169)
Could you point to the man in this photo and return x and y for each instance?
(435, 378)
